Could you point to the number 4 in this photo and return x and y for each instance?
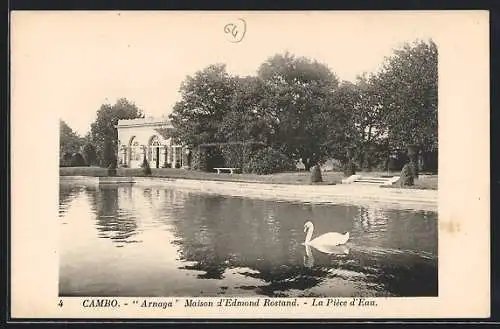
(60, 304)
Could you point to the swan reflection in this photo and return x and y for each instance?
(159, 241)
(331, 250)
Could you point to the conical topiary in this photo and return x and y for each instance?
(349, 167)
(145, 167)
(412, 151)
(112, 168)
(406, 178)
(316, 174)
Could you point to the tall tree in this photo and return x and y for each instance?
(247, 119)
(298, 98)
(90, 154)
(341, 125)
(104, 135)
(205, 101)
(69, 141)
(408, 87)
(368, 130)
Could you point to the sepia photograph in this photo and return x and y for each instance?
(247, 159)
(268, 175)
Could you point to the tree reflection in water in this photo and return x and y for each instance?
(234, 239)
(67, 193)
(112, 223)
(220, 233)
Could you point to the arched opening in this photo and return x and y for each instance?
(154, 151)
(134, 153)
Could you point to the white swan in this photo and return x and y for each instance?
(325, 241)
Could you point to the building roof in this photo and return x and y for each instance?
(149, 121)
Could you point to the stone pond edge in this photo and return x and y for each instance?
(346, 194)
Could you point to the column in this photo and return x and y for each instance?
(165, 157)
(174, 156)
(185, 162)
(117, 155)
(180, 155)
(124, 155)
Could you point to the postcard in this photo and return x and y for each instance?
(250, 165)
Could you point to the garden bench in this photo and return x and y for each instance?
(231, 170)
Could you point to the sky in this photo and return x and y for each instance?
(76, 61)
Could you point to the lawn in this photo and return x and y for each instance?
(296, 178)
(299, 178)
(426, 182)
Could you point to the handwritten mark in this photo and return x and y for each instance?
(236, 31)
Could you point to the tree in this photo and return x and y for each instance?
(299, 99)
(366, 131)
(103, 133)
(69, 141)
(166, 132)
(247, 119)
(90, 154)
(205, 101)
(407, 86)
(342, 131)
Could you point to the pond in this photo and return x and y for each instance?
(136, 241)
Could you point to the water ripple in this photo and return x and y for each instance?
(163, 242)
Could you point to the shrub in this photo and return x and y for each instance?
(413, 169)
(206, 158)
(349, 168)
(65, 160)
(406, 178)
(235, 156)
(336, 165)
(214, 158)
(393, 164)
(67, 156)
(268, 161)
(77, 160)
(430, 160)
(197, 159)
(316, 174)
